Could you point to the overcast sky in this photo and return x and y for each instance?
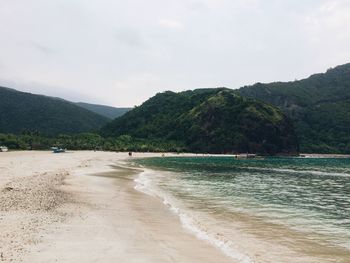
(120, 53)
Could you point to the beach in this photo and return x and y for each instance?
(82, 207)
(88, 206)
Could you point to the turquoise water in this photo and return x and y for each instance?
(305, 197)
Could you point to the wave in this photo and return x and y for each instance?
(313, 172)
(145, 184)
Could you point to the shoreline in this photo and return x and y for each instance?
(101, 218)
(247, 238)
(86, 207)
(324, 155)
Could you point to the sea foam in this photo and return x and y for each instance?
(145, 184)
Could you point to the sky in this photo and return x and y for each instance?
(121, 53)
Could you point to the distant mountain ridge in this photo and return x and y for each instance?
(319, 106)
(209, 120)
(106, 111)
(22, 111)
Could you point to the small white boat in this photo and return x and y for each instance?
(3, 149)
(245, 156)
(58, 150)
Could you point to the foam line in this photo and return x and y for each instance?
(144, 184)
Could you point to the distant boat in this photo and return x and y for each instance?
(3, 149)
(245, 156)
(58, 150)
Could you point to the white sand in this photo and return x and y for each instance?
(53, 210)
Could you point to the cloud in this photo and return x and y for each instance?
(331, 15)
(169, 23)
(122, 52)
(44, 49)
(327, 31)
(129, 37)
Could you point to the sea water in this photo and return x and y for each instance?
(256, 210)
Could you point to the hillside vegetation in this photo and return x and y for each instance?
(209, 120)
(258, 118)
(20, 111)
(106, 111)
(319, 106)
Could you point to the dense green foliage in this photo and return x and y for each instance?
(204, 120)
(20, 111)
(86, 141)
(209, 120)
(319, 105)
(107, 111)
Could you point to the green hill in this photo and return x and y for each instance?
(319, 105)
(209, 120)
(20, 111)
(107, 111)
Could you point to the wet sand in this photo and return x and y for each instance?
(66, 213)
(83, 207)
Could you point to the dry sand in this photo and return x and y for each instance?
(53, 208)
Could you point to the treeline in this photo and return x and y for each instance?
(87, 141)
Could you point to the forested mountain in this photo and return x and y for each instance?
(204, 120)
(319, 105)
(21, 111)
(209, 120)
(107, 111)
